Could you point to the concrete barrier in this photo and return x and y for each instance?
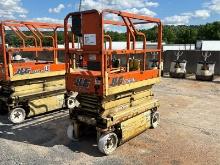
(192, 58)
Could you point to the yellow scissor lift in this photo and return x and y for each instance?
(108, 89)
(31, 79)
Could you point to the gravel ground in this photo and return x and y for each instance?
(189, 133)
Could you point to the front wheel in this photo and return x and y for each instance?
(17, 115)
(155, 119)
(108, 143)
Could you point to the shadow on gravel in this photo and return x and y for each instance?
(40, 130)
(87, 144)
(48, 130)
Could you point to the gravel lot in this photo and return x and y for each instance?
(189, 133)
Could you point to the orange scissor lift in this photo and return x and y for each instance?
(31, 77)
(108, 89)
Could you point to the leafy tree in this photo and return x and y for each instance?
(171, 34)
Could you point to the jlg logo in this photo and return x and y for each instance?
(82, 82)
(121, 81)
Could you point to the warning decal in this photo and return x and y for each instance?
(89, 39)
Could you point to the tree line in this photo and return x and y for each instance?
(181, 34)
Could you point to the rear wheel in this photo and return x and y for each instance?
(108, 143)
(73, 132)
(17, 115)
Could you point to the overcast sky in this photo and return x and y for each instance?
(170, 11)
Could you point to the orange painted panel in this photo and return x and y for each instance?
(89, 82)
(31, 68)
(130, 77)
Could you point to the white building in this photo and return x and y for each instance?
(208, 45)
(179, 47)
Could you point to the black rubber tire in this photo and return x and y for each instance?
(155, 119)
(17, 115)
(204, 78)
(71, 132)
(105, 140)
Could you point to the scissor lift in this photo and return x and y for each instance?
(108, 89)
(31, 77)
